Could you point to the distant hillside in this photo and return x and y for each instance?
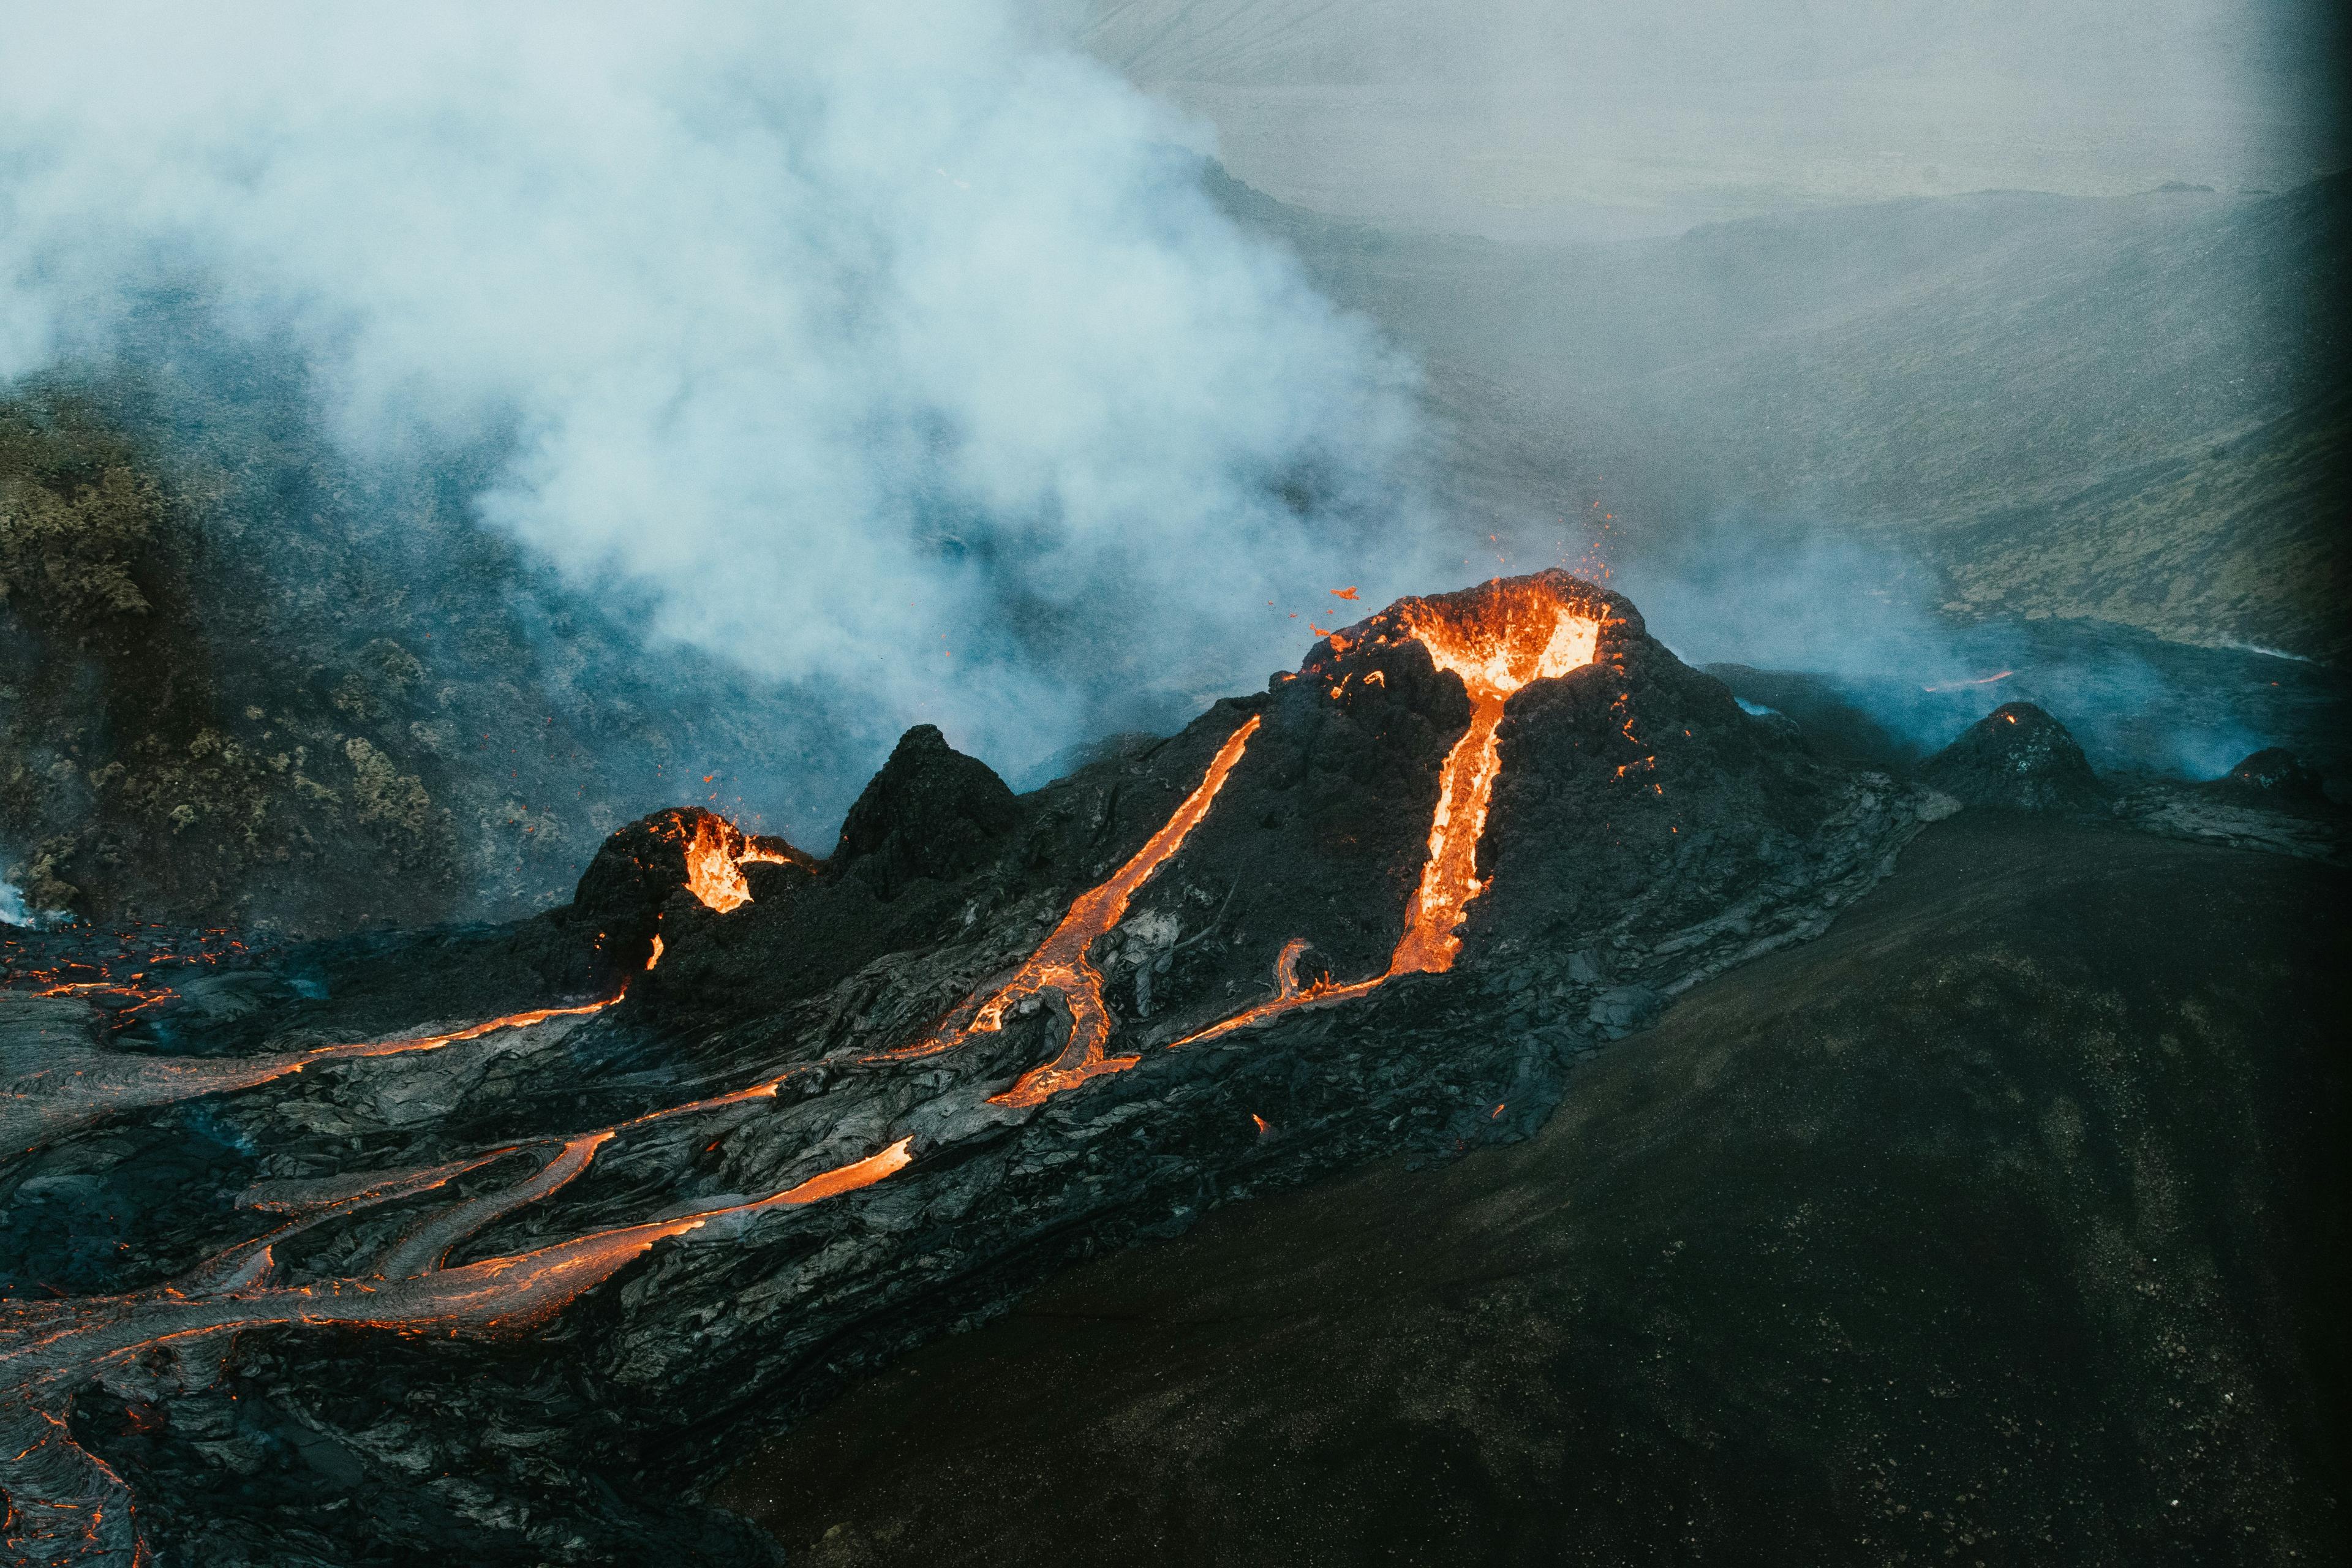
(243, 680)
(1525, 121)
(2124, 409)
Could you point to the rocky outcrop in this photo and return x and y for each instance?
(2275, 777)
(931, 812)
(2019, 758)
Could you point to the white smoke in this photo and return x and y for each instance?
(894, 346)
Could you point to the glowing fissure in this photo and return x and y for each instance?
(1516, 633)
(1061, 965)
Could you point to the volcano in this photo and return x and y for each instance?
(740, 1122)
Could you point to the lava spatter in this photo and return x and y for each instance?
(1061, 965)
(122, 972)
(716, 856)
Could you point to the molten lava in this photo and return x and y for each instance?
(434, 1042)
(60, 1494)
(1959, 685)
(76, 1084)
(1061, 965)
(1497, 639)
(63, 1502)
(716, 856)
(124, 981)
(714, 871)
(1518, 633)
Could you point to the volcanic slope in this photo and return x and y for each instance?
(1989, 1228)
(549, 1277)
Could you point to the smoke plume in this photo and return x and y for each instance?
(1860, 621)
(892, 348)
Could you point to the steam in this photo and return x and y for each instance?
(1863, 621)
(895, 349)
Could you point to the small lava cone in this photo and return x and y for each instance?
(2275, 777)
(2017, 757)
(638, 869)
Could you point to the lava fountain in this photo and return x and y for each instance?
(716, 856)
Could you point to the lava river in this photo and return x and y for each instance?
(1497, 638)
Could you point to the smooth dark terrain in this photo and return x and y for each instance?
(1992, 1227)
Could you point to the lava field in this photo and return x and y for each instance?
(504, 1242)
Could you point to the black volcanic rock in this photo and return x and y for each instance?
(2275, 776)
(2018, 757)
(931, 812)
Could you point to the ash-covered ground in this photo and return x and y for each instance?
(507, 1242)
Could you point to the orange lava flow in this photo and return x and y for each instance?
(527, 1288)
(495, 1293)
(49, 1348)
(78, 1084)
(1516, 634)
(850, 1177)
(470, 1032)
(1060, 963)
(1981, 680)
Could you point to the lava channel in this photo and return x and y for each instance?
(1061, 965)
(1497, 638)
